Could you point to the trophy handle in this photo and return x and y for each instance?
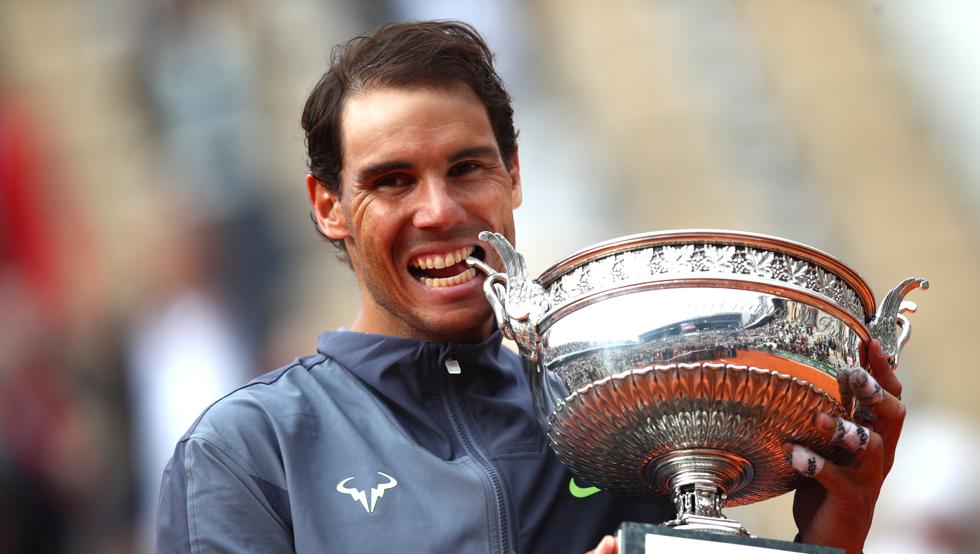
(890, 327)
(518, 302)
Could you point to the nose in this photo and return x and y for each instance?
(439, 206)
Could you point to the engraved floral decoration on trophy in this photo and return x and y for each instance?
(704, 259)
(677, 259)
(778, 269)
(758, 262)
(719, 258)
(798, 271)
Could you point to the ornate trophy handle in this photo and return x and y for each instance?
(518, 302)
(885, 326)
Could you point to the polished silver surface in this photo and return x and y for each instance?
(677, 363)
(619, 432)
(643, 326)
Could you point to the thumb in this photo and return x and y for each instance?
(608, 545)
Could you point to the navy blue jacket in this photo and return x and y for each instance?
(371, 445)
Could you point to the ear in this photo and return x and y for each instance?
(327, 210)
(516, 193)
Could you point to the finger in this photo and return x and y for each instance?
(866, 415)
(881, 410)
(877, 359)
(810, 464)
(608, 545)
(847, 500)
(839, 481)
(866, 388)
(835, 479)
(802, 459)
(874, 398)
(852, 436)
(882, 370)
(889, 381)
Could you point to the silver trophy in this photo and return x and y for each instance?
(676, 363)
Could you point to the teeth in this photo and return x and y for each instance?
(463, 277)
(441, 261)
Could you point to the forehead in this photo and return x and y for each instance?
(377, 120)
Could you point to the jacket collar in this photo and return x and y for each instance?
(385, 362)
(411, 378)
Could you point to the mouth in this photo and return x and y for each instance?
(445, 269)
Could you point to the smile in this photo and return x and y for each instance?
(446, 269)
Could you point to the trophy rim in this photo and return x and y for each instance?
(727, 237)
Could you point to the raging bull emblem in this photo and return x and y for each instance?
(361, 495)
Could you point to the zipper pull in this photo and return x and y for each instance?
(452, 366)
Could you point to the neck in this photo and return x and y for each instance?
(363, 323)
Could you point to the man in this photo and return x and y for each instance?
(414, 430)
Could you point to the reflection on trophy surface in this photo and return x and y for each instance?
(677, 363)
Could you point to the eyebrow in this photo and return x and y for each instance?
(475, 152)
(371, 171)
(377, 169)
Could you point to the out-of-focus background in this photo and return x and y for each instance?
(155, 247)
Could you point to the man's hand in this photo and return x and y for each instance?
(608, 545)
(836, 507)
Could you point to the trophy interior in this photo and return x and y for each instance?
(689, 358)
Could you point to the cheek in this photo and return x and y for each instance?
(376, 228)
(366, 215)
(500, 208)
(490, 201)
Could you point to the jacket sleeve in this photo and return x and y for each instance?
(211, 502)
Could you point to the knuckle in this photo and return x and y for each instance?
(875, 442)
(900, 411)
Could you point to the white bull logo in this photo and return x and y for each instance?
(361, 496)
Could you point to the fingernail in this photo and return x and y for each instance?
(824, 422)
(865, 388)
(805, 461)
(788, 452)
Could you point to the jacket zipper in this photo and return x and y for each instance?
(457, 418)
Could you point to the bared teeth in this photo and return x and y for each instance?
(441, 260)
(463, 277)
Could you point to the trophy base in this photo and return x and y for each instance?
(643, 538)
(707, 524)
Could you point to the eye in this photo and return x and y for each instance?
(463, 168)
(393, 180)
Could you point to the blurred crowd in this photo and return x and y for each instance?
(108, 353)
(64, 437)
(94, 392)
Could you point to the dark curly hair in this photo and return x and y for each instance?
(433, 53)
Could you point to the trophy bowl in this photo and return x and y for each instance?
(676, 363)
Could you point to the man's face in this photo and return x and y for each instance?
(421, 177)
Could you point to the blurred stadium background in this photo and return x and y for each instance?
(155, 247)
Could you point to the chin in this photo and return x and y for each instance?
(473, 328)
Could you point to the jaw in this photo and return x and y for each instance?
(455, 313)
(446, 314)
